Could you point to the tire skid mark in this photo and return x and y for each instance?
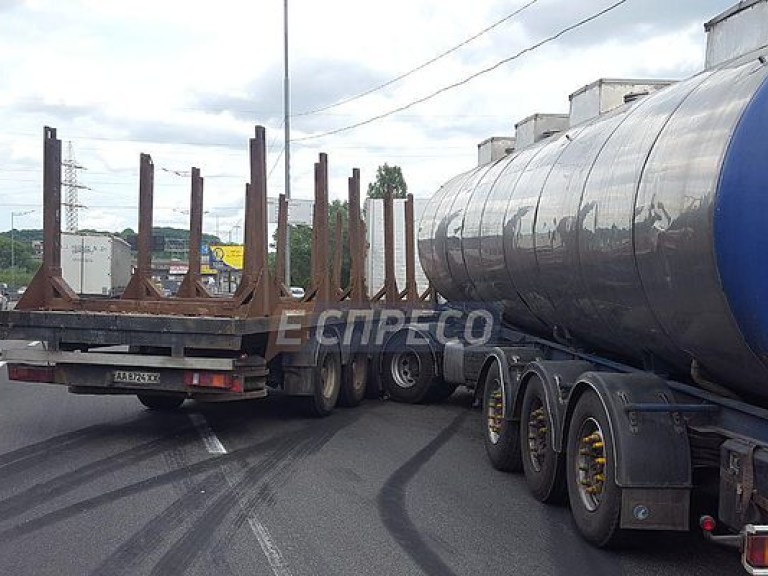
(24, 458)
(394, 512)
(155, 533)
(39, 452)
(187, 549)
(88, 504)
(45, 491)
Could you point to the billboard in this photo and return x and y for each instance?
(226, 257)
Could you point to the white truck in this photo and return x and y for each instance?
(95, 265)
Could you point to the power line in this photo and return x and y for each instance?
(423, 65)
(469, 78)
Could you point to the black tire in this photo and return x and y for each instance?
(373, 390)
(354, 381)
(440, 391)
(326, 384)
(597, 516)
(161, 403)
(501, 437)
(544, 468)
(407, 369)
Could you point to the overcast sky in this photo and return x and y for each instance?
(187, 81)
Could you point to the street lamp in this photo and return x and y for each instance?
(13, 245)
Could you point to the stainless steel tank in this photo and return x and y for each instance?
(642, 233)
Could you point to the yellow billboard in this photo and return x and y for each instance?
(226, 257)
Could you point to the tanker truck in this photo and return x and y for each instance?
(625, 249)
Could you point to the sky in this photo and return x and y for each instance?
(187, 82)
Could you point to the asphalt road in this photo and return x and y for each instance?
(102, 486)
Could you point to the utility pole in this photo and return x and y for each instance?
(71, 185)
(287, 125)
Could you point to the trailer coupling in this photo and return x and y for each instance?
(752, 541)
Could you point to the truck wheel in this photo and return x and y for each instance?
(440, 391)
(161, 403)
(591, 473)
(326, 384)
(354, 380)
(544, 468)
(408, 369)
(502, 437)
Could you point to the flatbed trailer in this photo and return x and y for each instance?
(198, 346)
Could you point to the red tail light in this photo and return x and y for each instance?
(219, 380)
(26, 373)
(756, 549)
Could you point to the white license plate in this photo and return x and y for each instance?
(131, 377)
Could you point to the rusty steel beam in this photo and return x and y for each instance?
(192, 286)
(411, 290)
(48, 288)
(282, 226)
(391, 293)
(338, 252)
(256, 292)
(320, 284)
(140, 286)
(357, 243)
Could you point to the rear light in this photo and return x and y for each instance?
(218, 380)
(27, 373)
(755, 556)
(707, 523)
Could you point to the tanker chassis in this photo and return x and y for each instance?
(624, 247)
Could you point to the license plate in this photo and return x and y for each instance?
(131, 377)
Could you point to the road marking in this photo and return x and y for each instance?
(271, 551)
(3, 363)
(275, 558)
(33, 343)
(211, 441)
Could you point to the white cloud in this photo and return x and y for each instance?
(167, 78)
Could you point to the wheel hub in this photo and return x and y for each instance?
(538, 434)
(495, 415)
(406, 368)
(591, 463)
(329, 375)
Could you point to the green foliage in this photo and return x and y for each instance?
(388, 177)
(22, 254)
(25, 236)
(301, 247)
(20, 278)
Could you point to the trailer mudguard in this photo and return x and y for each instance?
(295, 364)
(651, 448)
(558, 378)
(512, 362)
(453, 363)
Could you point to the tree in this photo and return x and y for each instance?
(388, 176)
(301, 247)
(22, 255)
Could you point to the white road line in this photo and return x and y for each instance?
(34, 343)
(3, 363)
(271, 551)
(211, 441)
(275, 558)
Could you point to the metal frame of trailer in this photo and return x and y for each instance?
(196, 345)
(657, 441)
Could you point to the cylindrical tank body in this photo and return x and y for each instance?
(642, 233)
